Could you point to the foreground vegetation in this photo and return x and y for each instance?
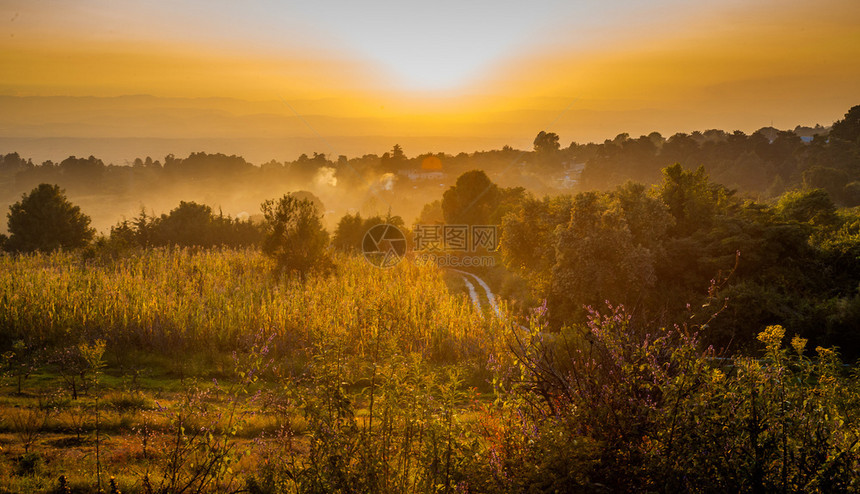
(198, 370)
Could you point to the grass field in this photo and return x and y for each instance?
(175, 325)
(163, 371)
(178, 300)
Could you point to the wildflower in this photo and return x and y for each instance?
(772, 336)
(799, 344)
(717, 376)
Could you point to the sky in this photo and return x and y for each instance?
(453, 75)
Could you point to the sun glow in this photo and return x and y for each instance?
(481, 70)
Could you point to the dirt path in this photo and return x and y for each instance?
(473, 294)
(491, 298)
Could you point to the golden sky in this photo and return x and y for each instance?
(484, 70)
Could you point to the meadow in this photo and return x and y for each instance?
(178, 327)
(192, 370)
(180, 301)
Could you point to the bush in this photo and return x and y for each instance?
(653, 411)
(351, 230)
(188, 225)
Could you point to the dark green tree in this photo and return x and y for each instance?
(832, 180)
(692, 198)
(189, 224)
(431, 214)
(13, 163)
(203, 165)
(349, 232)
(295, 237)
(849, 127)
(529, 237)
(45, 220)
(87, 171)
(609, 249)
(472, 200)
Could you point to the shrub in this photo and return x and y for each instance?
(651, 410)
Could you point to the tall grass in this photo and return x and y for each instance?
(175, 300)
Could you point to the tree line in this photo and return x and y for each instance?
(763, 164)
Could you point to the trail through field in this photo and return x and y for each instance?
(476, 299)
(472, 293)
(491, 299)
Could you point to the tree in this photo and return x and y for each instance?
(189, 224)
(350, 230)
(692, 198)
(13, 163)
(528, 239)
(849, 127)
(347, 235)
(309, 196)
(203, 166)
(472, 200)
(610, 249)
(431, 214)
(394, 160)
(295, 237)
(680, 148)
(546, 143)
(810, 206)
(45, 220)
(21, 361)
(83, 171)
(832, 180)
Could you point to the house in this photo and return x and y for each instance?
(570, 175)
(422, 175)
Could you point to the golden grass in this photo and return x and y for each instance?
(176, 300)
